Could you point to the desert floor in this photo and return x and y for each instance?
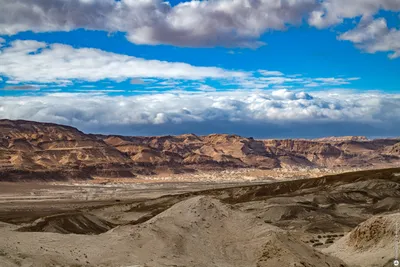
(149, 222)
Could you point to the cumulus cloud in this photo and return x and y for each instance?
(27, 61)
(285, 94)
(331, 12)
(375, 36)
(370, 35)
(207, 23)
(190, 23)
(303, 113)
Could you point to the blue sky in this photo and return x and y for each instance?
(267, 68)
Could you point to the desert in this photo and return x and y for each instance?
(199, 133)
(73, 199)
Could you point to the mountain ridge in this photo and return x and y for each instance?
(30, 148)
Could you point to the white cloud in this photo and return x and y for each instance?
(181, 111)
(190, 23)
(335, 81)
(312, 84)
(26, 61)
(270, 73)
(290, 80)
(366, 31)
(31, 61)
(374, 36)
(97, 91)
(280, 80)
(285, 94)
(229, 23)
(206, 88)
(369, 35)
(12, 82)
(234, 52)
(332, 12)
(2, 40)
(394, 55)
(287, 81)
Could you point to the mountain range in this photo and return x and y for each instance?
(45, 151)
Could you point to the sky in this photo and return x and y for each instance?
(260, 68)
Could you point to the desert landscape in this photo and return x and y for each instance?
(73, 199)
(199, 133)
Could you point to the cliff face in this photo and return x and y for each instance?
(56, 152)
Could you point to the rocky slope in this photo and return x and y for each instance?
(372, 242)
(32, 150)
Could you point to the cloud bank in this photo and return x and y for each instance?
(29, 61)
(279, 113)
(192, 23)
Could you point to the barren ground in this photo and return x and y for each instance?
(149, 222)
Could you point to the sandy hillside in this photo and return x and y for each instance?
(372, 243)
(200, 231)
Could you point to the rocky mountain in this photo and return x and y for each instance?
(45, 151)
